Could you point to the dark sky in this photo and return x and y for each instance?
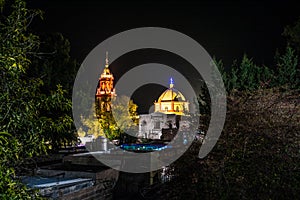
(226, 29)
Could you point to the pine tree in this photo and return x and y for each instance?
(287, 66)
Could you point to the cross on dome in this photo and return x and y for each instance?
(171, 83)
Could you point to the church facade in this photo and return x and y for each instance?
(162, 124)
(166, 120)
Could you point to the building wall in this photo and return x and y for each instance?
(174, 106)
(151, 125)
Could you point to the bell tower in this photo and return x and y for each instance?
(105, 90)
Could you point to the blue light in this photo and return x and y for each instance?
(171, 81)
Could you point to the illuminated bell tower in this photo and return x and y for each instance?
(105, 90)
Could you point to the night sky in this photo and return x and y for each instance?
(226, 29)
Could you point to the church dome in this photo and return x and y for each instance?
(171, 94)
(171, 101)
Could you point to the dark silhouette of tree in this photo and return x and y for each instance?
(53, 63)
(256, 157)
(292, 33)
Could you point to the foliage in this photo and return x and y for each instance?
(247, 76)
(287, 73)
(58, 127)
(292, 33)
(10, 186)
(2, 2)
(204, 104)
(53, 63)
(91, 125)
(123, 118)
(223, 72)
(28, 117)
(19, 94)
(256, 157)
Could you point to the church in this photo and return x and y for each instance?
(105, 89)
(163, 123)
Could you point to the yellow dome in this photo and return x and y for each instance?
(171, 101)
(171, 94)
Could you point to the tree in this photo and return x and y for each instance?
(2, 2)
(91, 125)
(292, 33)
(55, 112)
(27, 115)
(10, 187)
(248, 76)
(287, 66)
(204, 112)
(256, 156)
(233, 77)
(224, 74)
(123, 118)
(53, 63)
